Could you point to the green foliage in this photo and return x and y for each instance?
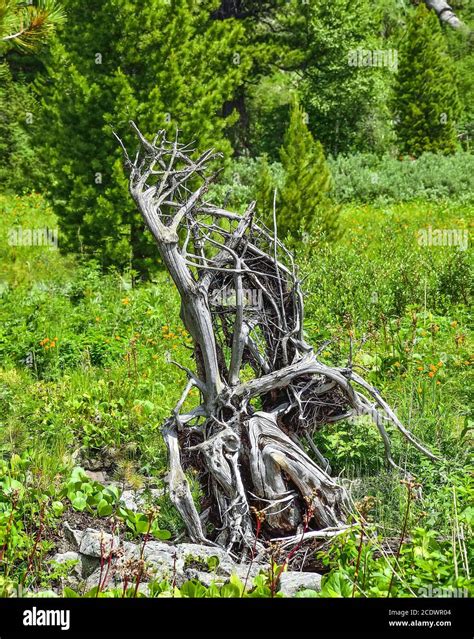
(344, 102)
(303, 205)
(258, 587)
(109, 396)
(420, 565)
(18, 167)
(91, 496)
(99, 80)
(29, 511)
(426, 100)
(28, 25)
(369, 178)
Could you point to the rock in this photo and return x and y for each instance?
(89, 565)
(163, 561)
(61, 558)
(72, 536)
(200, 554)
(95, 543)
(97, 475)
(292, 582)
(135, 500)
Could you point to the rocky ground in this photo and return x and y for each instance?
(103, 558)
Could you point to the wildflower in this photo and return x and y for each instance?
(433, 368)
(397, 364)
(97, 319)
(117, 337)
(431, 374)
(454, 324)
(440, 363)
(126, 301)
(420, 368)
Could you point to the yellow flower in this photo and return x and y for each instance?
(97, 319)
(420, 368)
(397, 364)
(433, 368)
(431, 374)
(454, 324)
(117, 337)
(440, 363)
(125, 301)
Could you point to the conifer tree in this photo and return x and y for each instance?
(264, 190)
(163, 64)
(426, 100)
(304, 205)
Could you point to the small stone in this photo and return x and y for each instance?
(292, 582)
(96, 543)
(97, 475)
(72, 536)
(135, 500)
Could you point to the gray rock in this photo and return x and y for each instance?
(164, 561)
(89, 564)
(95, 543)
(72, 536)
(292, 582)
(97, 475)
(136, 500)
(199, 553)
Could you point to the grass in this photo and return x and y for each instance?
(85, 365)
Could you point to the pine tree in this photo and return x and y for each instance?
(304, 205)
(426, 100)
(264, 190)
(163, 64)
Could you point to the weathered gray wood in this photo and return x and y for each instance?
(255, 465)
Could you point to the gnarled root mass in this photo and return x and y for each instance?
(262, 388)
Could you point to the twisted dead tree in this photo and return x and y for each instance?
(263, 390)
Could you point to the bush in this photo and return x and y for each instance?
(368, 177)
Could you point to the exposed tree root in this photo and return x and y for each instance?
(263, 389)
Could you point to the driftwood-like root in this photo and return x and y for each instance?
(263, 389)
